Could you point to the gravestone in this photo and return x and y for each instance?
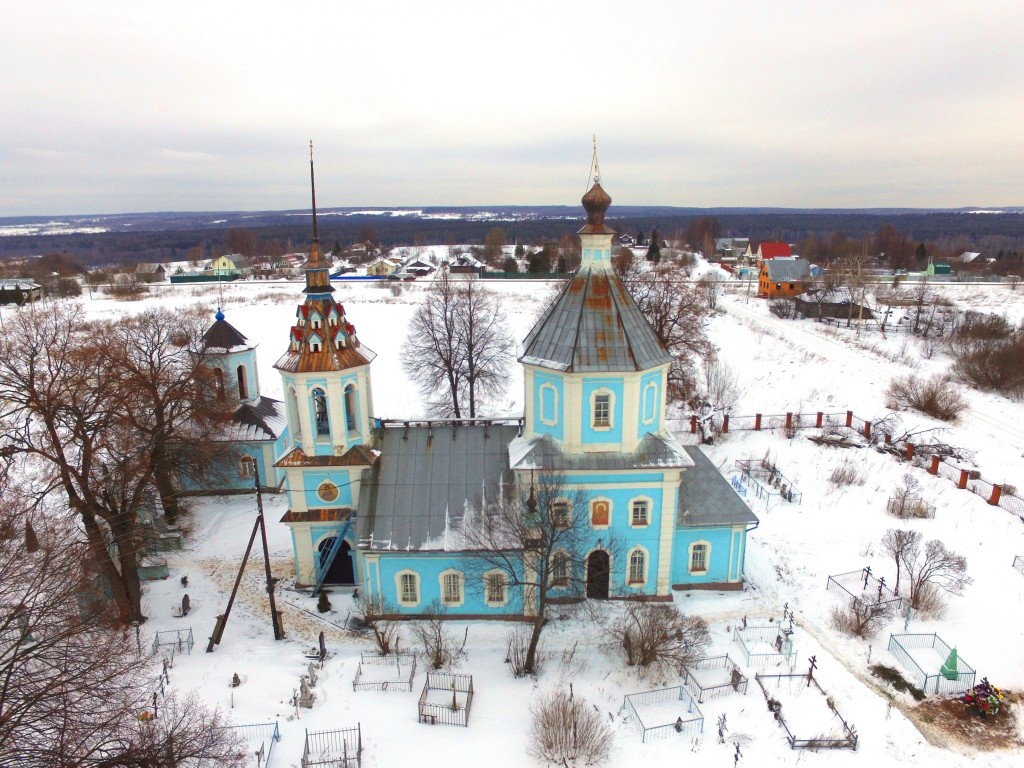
(306, 696)
(185, 604)
(311, 674)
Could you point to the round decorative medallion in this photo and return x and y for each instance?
(327, 492)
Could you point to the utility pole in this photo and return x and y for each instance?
(275, 617)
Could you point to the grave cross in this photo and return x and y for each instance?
(867, 575)
(881, 586)
(736, 758)
(810, 669)
(722, 728)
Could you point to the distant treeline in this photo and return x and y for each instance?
(1004, 231)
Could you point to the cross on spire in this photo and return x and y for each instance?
(312, 186)
(595, 168)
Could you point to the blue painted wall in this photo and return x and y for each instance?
(548, 401)
(722, 542)
(649, 407)
(429, 566)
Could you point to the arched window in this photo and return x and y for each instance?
(495, 588)
(560, 570)
(637, 566)
(293, 414)
(408, 586)
(350, 408)
(548, 405)
(323, 422)
(243, 385)
(451, 588)
(650, 404)
(218, 383)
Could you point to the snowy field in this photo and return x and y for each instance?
(783, 365)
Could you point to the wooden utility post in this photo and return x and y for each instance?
(275, 617)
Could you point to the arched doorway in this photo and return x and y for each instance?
(598, 573)
(341, 570)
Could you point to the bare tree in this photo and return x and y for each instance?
(900, 545)
(63, 417)
(937, 569)
(658, 637)
(678, 314)
(71, 684)
(380, 616)
(169, 396)
(861, 618)
(459, 349)
(710, 286)
(534, 548)
(437, 644)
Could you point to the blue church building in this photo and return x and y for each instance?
(387, 505)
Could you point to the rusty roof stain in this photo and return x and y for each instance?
(593, 325)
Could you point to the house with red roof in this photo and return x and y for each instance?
(770, 250)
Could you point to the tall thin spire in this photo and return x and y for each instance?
(595, 168)
(312, 186)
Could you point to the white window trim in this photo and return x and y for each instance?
(611, 410)
(590, 510)
(653, 388)
(398, 588)
(553, 421)
(354, 416)
(504, 589)
(558, 584)
(650, 511)
(462, 588)
(246, 466)
(568, 513)
(707, 557)
(629, 566)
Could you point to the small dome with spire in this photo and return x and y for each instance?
(596, 203)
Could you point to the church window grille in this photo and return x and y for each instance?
(640, 512)
(560, 570)
(637, 567)
(496, 586)
(350, 408)
(243, 385)
(323, 422)
(602, 411)
(408, 588)
(451, 588)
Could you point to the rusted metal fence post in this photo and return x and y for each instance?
(962, 483)
(821, 417)
(725, 424)
(757, 422)
(933, 468)
(997, 492)
(849, 418)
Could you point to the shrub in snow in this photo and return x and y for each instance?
(323, 603)
(564, 728)
(937, 397)
(439, 650)
(377, 613)
(657, 638)
(861, 619)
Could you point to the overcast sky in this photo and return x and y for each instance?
(142, 106)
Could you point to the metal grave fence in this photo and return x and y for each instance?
(714, 676)
(656, 704)
(861, 585)
(777, 638)
(1018, 563)
(927, 680)
(342, 748)
(767, 481)
(447, 699)
(849, 739)
(177, 641)
(400, 668)
(260, 739)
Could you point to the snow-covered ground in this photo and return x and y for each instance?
(782, 366)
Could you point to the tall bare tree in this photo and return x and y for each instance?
(72, 685)
(459, 350)
(678, 313)
(536, 544)
(169, 396)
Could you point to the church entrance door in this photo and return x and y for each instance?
(341, 570)
(598, 574)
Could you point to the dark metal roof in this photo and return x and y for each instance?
(653, 451)
(593, 325)
(263, 419)
(787, 270)
(425, 479)
(223, 335)
(707, 499)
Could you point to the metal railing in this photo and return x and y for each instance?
(708, 686)
(635, 703)
(342, 748)
(178, 640)
(265, 735)
(928, 681)
(402, 664)
(871, 591)
(452, 712)
(774, 635)
(1018, 563)
(848, 741)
